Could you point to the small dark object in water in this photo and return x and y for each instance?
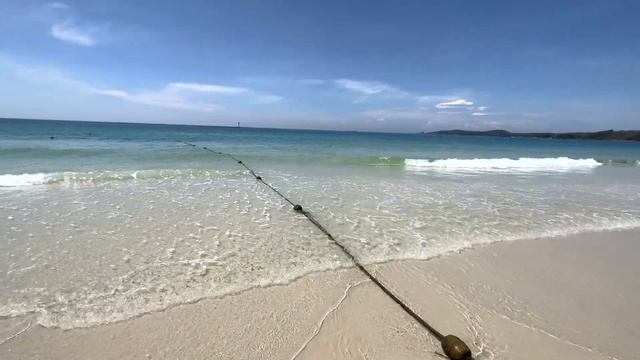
(297, 208)
(52, 137)
(258, 177)
(455, 348)
(239, 162)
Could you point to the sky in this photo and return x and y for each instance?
(397, 66)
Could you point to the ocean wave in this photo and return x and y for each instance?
(10, 180)
(477, 164)
(559, 164)
(505, 165)
(71, 178)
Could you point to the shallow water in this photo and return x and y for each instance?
(108, 221)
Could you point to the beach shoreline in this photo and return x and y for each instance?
(544, 298)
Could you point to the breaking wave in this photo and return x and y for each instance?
(559, 164)
(71, 178)
(504, 165)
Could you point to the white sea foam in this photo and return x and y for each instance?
(71, 178)
(10, 180)
(559, 164)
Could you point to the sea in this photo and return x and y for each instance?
(103, 222)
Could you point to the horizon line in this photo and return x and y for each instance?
(307, 129)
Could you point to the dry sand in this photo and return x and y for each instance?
(575, 297)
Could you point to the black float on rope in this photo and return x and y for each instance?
(452, 345)
(455, 348)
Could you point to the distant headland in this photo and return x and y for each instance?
(621, 135)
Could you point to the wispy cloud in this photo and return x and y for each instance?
(57, 5)
(39, 74)
(432, 98)
(429, 119)
(397, 114)
(193, 96)
(251, 96)
(358, 91)
(206, 88)
(68, 32)
(455, 104)
(370, 88)
(267, 99)
(481, 111)
(189, 96)
(64, 26)
(165, 98)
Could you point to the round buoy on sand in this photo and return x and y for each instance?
(455, 348)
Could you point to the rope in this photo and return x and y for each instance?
(299, 209)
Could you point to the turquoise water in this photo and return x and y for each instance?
(102, 222)
(27, 147)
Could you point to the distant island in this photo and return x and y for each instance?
(623, 135)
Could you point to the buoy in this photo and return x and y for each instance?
(258, 177)
(239, 162)
(455, 348)
(297, 208)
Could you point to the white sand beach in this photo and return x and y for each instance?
(573, 297)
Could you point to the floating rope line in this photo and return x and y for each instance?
(452, 346)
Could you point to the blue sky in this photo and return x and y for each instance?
(348, 65)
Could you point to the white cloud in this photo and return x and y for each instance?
(161, 98)
(71, 34)
(64, 25)
(480, 111)
(432, 98)
(40, 75)
(189, 96)
(57, 5)
(115, 93)
(369, 88)
(397, 113)
(267, 99)
(426, 118)
(454, 104)
(178, 95)
(206, 88)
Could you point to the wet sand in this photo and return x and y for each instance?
(574, 297)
